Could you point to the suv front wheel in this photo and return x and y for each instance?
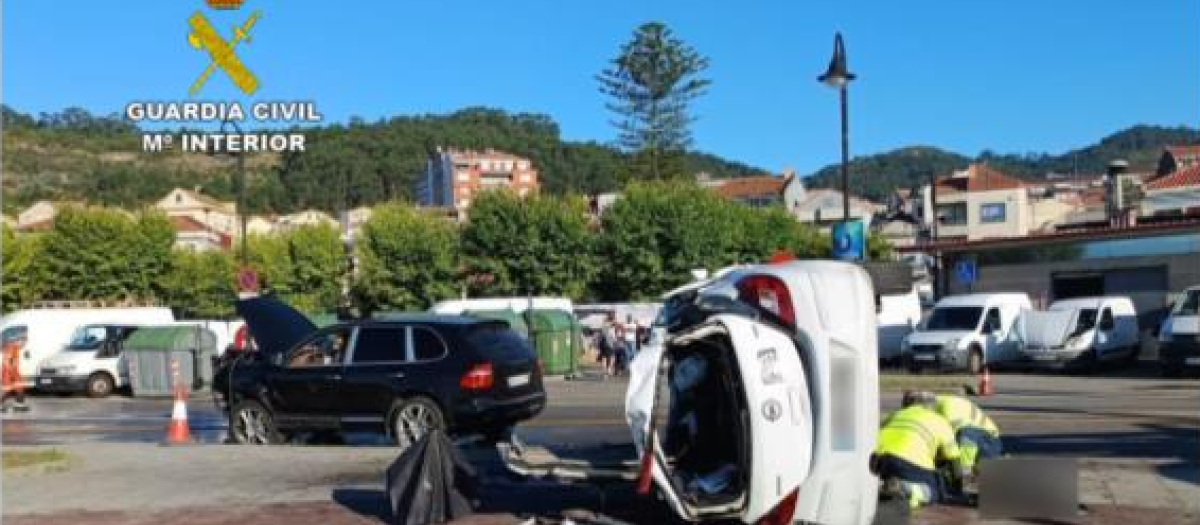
(251, 423)
(414, 417)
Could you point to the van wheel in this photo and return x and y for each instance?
(251, 423)
(99, 384)
(414, 417)
(975, 360)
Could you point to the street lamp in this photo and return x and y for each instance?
(241, 190)
(838, 76)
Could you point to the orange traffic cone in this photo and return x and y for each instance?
(985, 383)
(178, 432)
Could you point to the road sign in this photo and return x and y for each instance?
(848, 241)
(967, 272)
(248, 280)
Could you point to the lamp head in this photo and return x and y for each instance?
(838, 74)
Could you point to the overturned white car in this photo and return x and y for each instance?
(758, 399)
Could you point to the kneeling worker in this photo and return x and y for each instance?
(912, 443)
(977, 435)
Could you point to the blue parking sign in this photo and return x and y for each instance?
(967, 272)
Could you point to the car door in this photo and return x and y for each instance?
(1105, 334)
(381, 360)
(993, 335)
(305, 386)
(777, 417)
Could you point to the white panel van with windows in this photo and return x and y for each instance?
(968, 332)
(1081, 332)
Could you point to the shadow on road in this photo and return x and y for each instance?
(364, 502)
(1165, 442)
(1185, 471)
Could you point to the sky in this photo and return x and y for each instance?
(1012, 76)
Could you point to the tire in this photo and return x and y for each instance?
(975, 360)
(412, 418)
(99, 385)
(251, 423)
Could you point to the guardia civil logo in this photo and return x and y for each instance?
(203, 36)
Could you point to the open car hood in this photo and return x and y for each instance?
(275, 326)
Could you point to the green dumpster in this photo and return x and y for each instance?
(151, 350)
(552, 336)
(323, 320)
(515, 320)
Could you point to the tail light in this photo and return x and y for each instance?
(770, 294)
(478, 377)
(783, 512)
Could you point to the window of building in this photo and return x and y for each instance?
(464, 176)
(992, 212)
(952, 214)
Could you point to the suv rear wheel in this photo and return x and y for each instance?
(414, 417)
(251, 423)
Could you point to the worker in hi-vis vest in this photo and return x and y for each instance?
(977, 435)
(11, 375)
(914, 443)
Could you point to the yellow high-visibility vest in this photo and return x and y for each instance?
(962, 413)
(918, 435)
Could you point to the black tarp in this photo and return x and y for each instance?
(430, 482)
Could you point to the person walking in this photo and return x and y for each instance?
(609, 345)
(630, 335)
(11, 376)
(914, 443)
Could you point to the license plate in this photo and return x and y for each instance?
(1192, 361)
(45, 381)
(1045, 357)
(920, 357)
(519, 380)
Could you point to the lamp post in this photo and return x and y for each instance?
(241, 191)
(838, 76)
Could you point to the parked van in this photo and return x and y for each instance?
(968, 332)
(771, 392)
(92, 362)
(516, 304)
(46, 331)
(898, 316)
(1179, 337)
(1080, 332)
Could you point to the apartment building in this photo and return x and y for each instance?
(454, 177)
(980, 202)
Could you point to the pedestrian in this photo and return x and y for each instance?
(912, 443)
(11, 375)
(609, 345)
(977, 435)
(630, 338)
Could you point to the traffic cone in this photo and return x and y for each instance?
(178, 432)
(985, 383)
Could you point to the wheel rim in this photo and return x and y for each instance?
(413, 422)
(99, 386)
(253, 425)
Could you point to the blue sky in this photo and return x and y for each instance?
(1011, 75)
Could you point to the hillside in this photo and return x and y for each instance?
(77, 156)
(876, 175)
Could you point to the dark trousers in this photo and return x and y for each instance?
(889, 466)
(989, 446)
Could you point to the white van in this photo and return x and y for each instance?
(93, 362)
(1080, 332)
(516, 304)
(47, 330)
(898, 316)
(968, 332)
(1179, 337)
(773, 392)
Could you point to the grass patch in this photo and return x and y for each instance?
(898, 382)
(30, 458)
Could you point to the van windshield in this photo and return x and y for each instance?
(1086, 320)
(954, 318)
(1190, 303)
(87, 338)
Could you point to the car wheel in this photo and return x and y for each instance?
(99, 384)
(975, 360)
(251, 423)
(414, 417)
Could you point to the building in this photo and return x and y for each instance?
(454, 177)
(308, 217)
(1172, 195)
(39, 216)
(823, 206)
(980, 202)
(1175, 158)
(759, 191)
(193, 235)
(217, 215)
(259, 225)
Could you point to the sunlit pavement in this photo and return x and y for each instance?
(1138, 438)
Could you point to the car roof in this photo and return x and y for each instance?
(1091, 301)
(980, 299)
(423, 317)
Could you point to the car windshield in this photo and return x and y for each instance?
(954, 318)
(1190, 303)
(87, 338)
(1086, 320)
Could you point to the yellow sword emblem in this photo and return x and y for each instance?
(205, 37)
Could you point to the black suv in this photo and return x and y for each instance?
(403, 375)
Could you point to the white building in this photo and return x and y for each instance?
(1177, 193)
(980, 202)
(216, 215)
(823, 206)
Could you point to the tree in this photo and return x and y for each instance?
(407, 260)
(200, 284)
(22, 279)
(303, 267)
(651, 82)
(535, 244)
(97, 253)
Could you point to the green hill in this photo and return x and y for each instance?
(876, 175)
(74, 155)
